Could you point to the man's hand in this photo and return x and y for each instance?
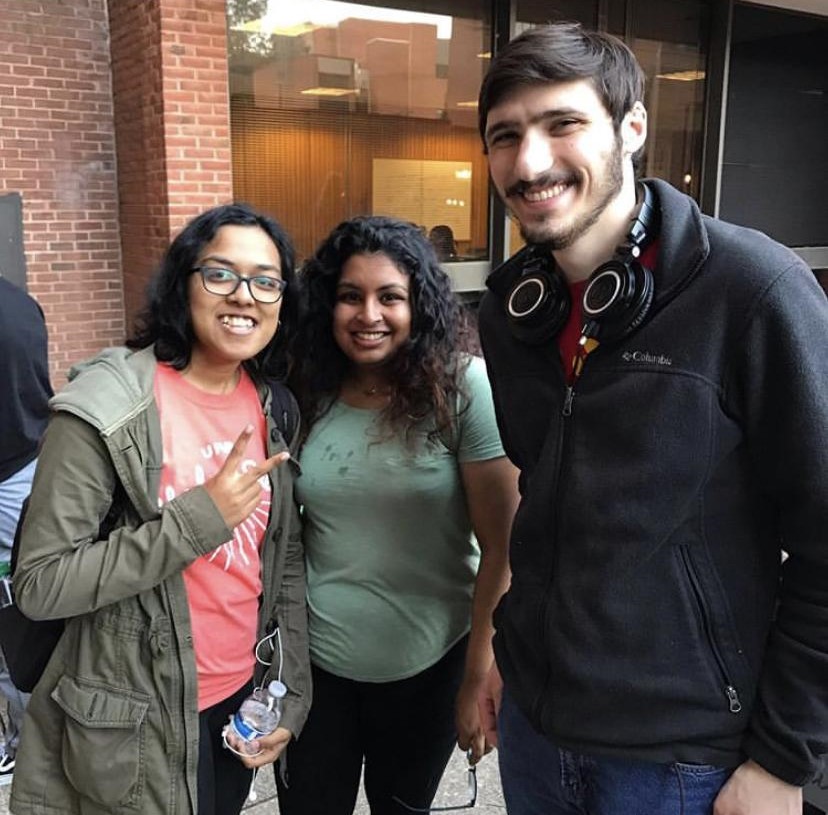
(488, 701)
(752, 790)
(235, 493)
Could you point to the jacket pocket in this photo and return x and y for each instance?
(103, 742)
(708, 632)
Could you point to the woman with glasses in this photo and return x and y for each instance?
(162, 525)
(402, 468)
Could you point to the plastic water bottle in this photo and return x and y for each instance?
(259, 714)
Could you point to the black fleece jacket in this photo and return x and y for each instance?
(650, 614)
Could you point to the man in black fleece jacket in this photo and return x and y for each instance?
(661, 380)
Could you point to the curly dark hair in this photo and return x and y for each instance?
(165, 321)
(426, 371)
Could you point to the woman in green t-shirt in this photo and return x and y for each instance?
(407, 502)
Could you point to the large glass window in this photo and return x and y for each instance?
(669, 38)
(776, 153)
(339, 109)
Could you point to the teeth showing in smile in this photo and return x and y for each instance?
(546, 194)
(370, 335)
(237, 322)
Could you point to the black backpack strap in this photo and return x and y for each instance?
(284, 410)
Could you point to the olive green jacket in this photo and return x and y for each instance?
(112, 726)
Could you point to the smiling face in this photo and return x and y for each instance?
(556, 159)
(372, 313)
(232, 328)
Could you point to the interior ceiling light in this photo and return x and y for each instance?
(471, 104)
(261, 26)
(683, 76)
(322, 91)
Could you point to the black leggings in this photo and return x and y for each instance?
(404, 731)
(223, 781)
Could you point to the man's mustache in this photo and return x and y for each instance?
(541, 182)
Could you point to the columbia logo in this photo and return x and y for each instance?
(646, 356)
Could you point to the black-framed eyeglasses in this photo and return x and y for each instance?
(223, 282)
(472, 780)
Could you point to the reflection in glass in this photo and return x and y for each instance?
(668, 39)
(339, 109)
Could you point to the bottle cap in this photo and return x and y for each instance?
(277, 689)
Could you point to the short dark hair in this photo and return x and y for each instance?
(564, 52)
(426, 371)
(165, 321)
(441, 238)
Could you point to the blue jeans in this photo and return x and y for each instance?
(541, 779)
(13, 492)
(17, 702)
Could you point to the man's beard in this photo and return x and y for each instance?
(562, 236)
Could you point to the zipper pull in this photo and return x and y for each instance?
(570, 395)
(586, 345)
(733, 699)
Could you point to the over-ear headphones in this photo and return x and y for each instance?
(616, 300)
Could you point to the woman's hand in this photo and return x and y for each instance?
(267, 748)
(235, 493)
(470, 735)
(488, 703)
(491, 497)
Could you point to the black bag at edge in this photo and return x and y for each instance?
(28, 644)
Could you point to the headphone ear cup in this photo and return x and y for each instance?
(646, 286)
(538, 306)
(617, 299)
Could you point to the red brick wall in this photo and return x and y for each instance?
(87, 214)
(57, 150)
(139, 129)
(169, 62)
(196, 106)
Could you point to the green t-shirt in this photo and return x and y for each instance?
(389, 546)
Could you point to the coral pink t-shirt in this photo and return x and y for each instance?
(198, 430)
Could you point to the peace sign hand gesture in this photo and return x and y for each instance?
(236, 494)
